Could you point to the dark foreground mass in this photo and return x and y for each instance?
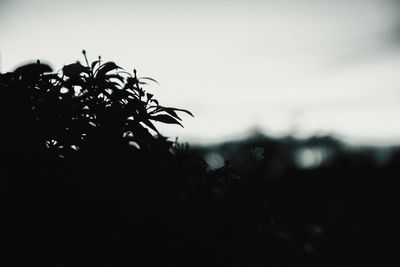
(84, 183)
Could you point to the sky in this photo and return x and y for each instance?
(303, 67)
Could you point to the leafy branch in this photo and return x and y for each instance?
(78, 105)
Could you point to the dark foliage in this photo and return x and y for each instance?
(338, 212)
(87, 179)
(87, 174)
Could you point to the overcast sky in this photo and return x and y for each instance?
(303, 67)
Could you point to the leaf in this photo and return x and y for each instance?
(106, 67)
(74, 70)
(122, 94)
(150, 125)
(94, 63)
(124, 72)
(169, 109)
(115, 76)
(134, 144)
(139, 131)
(148, 78)
(112, 85)
(165, 119)
(171, 112)
(184, 110)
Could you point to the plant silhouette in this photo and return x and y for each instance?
(84, 105)
(88, 179)
(87, 167)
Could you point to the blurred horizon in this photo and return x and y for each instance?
(282, 68)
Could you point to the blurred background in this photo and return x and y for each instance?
(298, 68)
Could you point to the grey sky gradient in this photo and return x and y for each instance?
(303, 66)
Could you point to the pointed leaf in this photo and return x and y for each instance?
(171, 112)
(112, 85)
(115, 76)
(161, 108)
(148, 78)
(150, 125)
(124, 72)
(184, 110)
(165, 119)
(106, 67)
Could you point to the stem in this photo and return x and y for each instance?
(84, 54)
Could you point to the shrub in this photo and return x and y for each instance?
(80, 106)
(82, 152)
